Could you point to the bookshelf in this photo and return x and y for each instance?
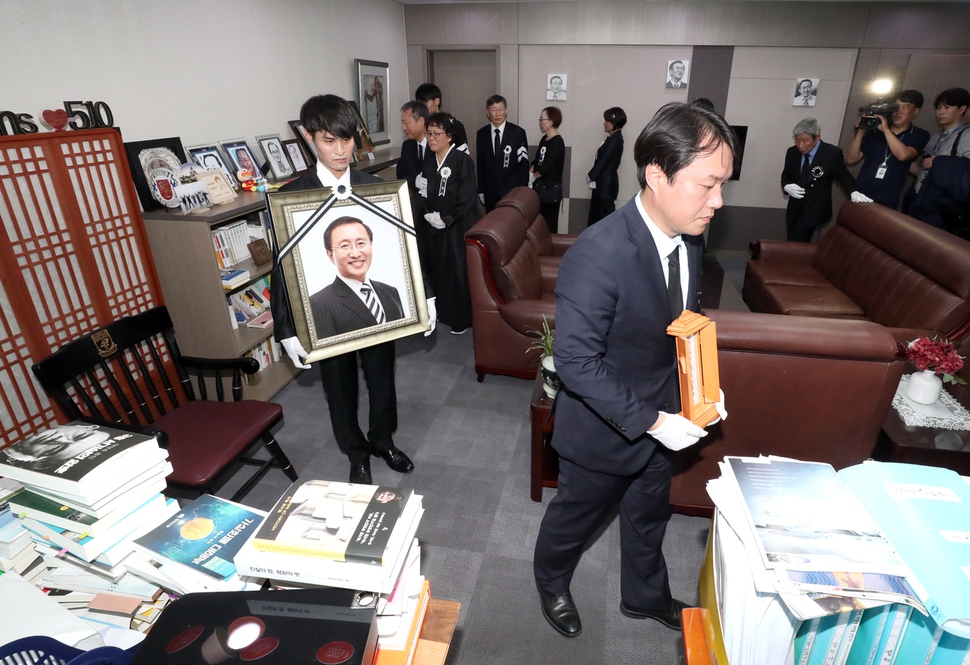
(191, 283)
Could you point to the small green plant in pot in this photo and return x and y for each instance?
(543, 343)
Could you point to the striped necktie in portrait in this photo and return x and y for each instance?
(372, 303)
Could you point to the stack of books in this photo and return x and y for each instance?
(864, 565)
(335, 534)
(16, 555)
(251, 304)
(234, 277)
(230, 242)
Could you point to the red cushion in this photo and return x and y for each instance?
(205, 436)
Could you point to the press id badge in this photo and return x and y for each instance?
(881, 172)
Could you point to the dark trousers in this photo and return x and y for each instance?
(585, 499)
(599, 208)
(550, 213)
(800, 233)
(340, 383)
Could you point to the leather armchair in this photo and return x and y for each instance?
(526, 202)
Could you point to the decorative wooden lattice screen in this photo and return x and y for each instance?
(73, 257)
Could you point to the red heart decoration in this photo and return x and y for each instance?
(56, 119)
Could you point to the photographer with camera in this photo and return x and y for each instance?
(886, 142)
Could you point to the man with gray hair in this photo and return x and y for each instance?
(811, 166)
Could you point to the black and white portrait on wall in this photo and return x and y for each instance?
(556, 87)
(677, 73)
(806, 90)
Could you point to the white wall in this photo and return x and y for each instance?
(202, 70)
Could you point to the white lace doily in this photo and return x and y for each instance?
(946, 413)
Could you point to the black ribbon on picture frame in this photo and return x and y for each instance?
(548, 194)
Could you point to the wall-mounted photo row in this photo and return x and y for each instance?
(241, 157)
(806, 90)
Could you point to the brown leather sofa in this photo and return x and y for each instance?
(511, 290)
(874, 264)
(526, 202)
(813, 389)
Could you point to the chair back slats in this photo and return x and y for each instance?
(130, 417)
(237, 385)
(220, 390)
(203, 390)
(172, 397)
(85, 398)
(102, 396)
(147, 380)
(187, 388)
(135, 389)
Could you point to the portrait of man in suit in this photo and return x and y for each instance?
(556, 89)
(352, 301)
(677, 73)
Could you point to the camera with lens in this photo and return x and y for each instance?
(872, 112)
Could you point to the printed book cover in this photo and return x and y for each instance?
(334, 520)
(204, 536)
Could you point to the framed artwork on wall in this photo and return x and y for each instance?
(556, 87)
(210, 158)
(241, 157)
(373, 99)
(678, 73)
(806, 91)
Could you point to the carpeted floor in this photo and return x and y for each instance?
(470, 445)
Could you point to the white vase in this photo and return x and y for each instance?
(550, 377)
(924, 387)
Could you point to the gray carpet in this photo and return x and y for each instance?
(470, 445)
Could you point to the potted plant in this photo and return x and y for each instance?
(543, 344)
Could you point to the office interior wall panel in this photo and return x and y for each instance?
(921, 25)
(462, 24)
(73, 256)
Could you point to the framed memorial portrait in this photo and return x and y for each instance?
(298, 156)
(210, 159)
(556, 87)
(373, 99)
(806, 92)
(276, 156)
(241, 157)
(330, 317)
(146, 157)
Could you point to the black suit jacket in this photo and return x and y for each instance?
(495, 179)
(605, 167)
(816, 207)
(612, 351)
(279, 300)
(410, 165)
(336, 309)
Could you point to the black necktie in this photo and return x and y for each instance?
(420, 153)
(674, 293)
(498, 142)
(806, 168)
(372, 303)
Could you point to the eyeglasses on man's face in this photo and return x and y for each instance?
(348, 247)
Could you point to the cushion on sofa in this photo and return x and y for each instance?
(825, 301)
(795, 274)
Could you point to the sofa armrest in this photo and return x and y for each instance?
(549, 270)
(781, 251)
(562, 241)
(524, 316)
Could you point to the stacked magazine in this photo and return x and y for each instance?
(864, 565)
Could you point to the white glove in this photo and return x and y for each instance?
(295, 351)
(676, 432)
(481, 199)
(434, 219)
(721, 411)
(859, 197)
(532, 178)
(592, 184)
(432, 315)
(422, 184)
(795, 191)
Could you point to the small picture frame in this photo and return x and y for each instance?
(298, 156)
(806, 91)
(678, 74)
(303, 137)
(373, 99)
(327, 324)
(556, 87)
(210, 158)
(241, 157)
(136, 150)
(220, 191)
(277, 158)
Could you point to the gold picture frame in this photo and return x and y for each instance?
(697, 368)
(308, 268)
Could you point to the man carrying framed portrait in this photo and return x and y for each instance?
(352, 301)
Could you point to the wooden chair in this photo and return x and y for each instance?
(131, 374)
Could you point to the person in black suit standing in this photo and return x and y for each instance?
(503, 154)
(603, 178)
(617, 424)
(811, 166)
(331, 123)
(415, 155)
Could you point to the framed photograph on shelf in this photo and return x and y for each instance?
(210, 159)
(276, 156)
(363, 246)
(298, 156)
(301, 135)
(241, 157)
(373, 99)
(146, 158)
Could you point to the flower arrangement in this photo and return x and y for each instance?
(938, 356)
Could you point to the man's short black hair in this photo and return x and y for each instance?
(496, 99)
(340, 221)
(417, 109)
(953, 97)
(427, 92)
(331, 114)
(615, 116)
(914, 97)
(677, 135)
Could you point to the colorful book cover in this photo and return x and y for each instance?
(889, 640)
(334, 520)
(828, 637)
(951, 650)
(863, 649)
(925, 512)
(204, 536)
(916, 641)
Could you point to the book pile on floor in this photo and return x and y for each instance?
(16, 554)
(865, 565)
(360, 537)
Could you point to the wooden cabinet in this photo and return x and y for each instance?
(192, 286)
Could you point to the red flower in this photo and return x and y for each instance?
(939, 356)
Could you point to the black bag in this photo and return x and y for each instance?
(548, 194)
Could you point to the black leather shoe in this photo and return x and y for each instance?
(397, 460)
(560, 611)
(360, 472)
(669, 617)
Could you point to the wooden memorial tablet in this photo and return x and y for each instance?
(696, 339)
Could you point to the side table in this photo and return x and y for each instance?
(545, 461)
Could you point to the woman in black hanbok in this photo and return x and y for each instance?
(451, 209)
